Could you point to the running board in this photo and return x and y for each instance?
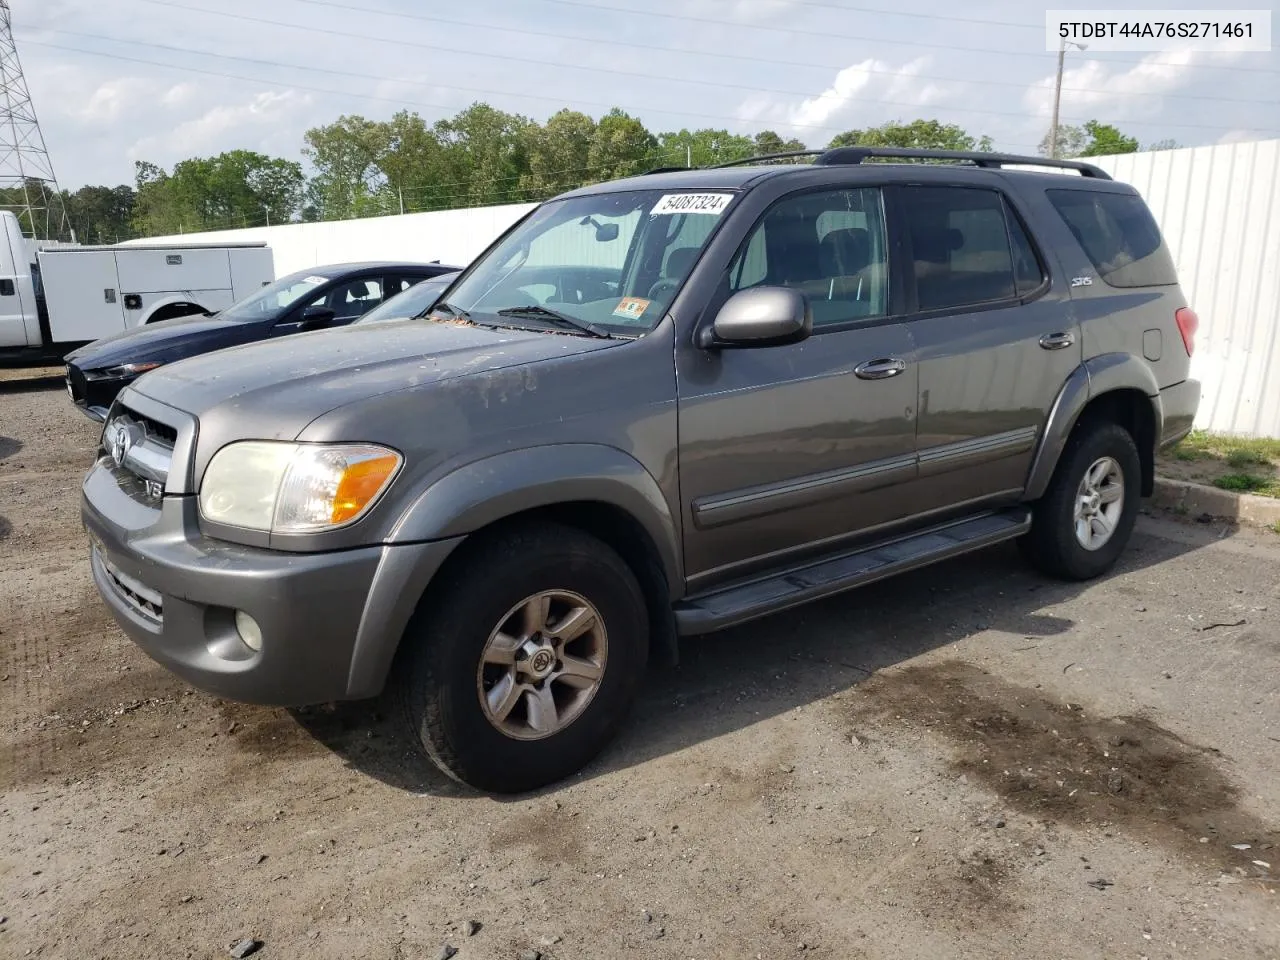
(729, 606)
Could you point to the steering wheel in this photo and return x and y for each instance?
(663, 288)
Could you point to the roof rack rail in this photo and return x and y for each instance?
(761, 158)
(987, 160)
(854, 155)
(649, 173)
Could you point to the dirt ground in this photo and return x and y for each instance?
(969, 762)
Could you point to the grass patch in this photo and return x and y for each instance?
(1242, 482)
(1240, 464)
(1238, 451)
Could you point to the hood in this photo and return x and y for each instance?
(290, 381)
(166, 342)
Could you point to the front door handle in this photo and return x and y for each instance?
(880, 369)
(1057, 341)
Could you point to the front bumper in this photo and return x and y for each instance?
(1178, 406)
(330, 622)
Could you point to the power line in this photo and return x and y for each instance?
(347, 35)
(1021, 115)
(881, 11)
(399, 100)
(828, 34)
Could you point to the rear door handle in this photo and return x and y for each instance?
(880, 369)
(1057, 341)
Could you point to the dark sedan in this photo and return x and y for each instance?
(306, 300)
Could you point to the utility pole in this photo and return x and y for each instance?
(1057, 96)
(400, 190)
(25, 167)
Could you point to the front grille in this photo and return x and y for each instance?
(140, 451)
(145, 602)
(77, 385)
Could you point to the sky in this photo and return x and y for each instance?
(117, 81)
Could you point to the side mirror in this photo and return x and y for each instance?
(759, 317)
(314, 317)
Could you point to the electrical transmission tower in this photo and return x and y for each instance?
(27, 184)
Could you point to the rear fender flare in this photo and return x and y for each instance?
(1093, 378)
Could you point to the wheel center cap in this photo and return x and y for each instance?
(1095, 501)
(541, 663)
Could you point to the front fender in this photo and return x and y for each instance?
(1093, 378)
(506, 484)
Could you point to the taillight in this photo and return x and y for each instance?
(1188, 324)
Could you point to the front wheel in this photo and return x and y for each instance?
(525, 658)
(1084, 521)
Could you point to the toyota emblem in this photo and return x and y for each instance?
(120, 439)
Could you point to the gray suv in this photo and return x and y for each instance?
(654, 408)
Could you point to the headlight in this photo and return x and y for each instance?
(122, 370)
(295, 487)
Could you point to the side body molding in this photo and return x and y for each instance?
(1094, 377)
(488, 490)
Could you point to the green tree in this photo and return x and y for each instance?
(485, 155)
(346, 155)
(767, 141)
(1105, 140)
(101, 214)
(1167, 144)
(701, 148)
(1093, 139)
(918, 134)
(621, 147)
(557, 154)
(236, 188)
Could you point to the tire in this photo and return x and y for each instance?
(1054, 544)
(538, 729)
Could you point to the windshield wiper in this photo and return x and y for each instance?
(563, 319)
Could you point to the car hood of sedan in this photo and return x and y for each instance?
(166, 341)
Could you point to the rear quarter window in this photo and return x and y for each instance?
(1119, 236)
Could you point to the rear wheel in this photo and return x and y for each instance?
(1084, 521)
(525, 659)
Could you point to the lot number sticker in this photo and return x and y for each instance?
(673, 203)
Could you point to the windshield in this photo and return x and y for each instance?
(275, 298)
(611, 260)
(412, 302)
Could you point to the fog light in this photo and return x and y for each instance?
(250, 632)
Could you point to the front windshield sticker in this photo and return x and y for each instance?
(672, 203)
(315, 281)
(632, 308)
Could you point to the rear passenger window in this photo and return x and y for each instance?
(1027, 272)
(1119, 235)
(965, 251)
(829, 245)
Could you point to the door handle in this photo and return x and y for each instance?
(880, 369)
(1057, 341)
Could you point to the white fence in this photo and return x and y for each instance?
(1219, 209)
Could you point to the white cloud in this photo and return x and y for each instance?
(263, 113)
(863, 92)
(1096, 86)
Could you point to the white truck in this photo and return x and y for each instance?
(54, 298)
